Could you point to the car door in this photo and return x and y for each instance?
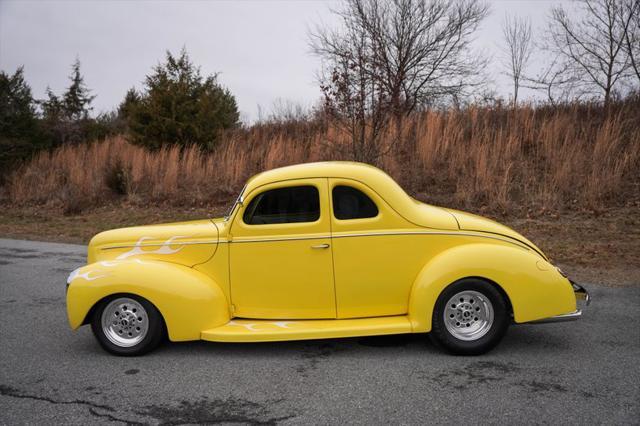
(376, 254)
(280, 252)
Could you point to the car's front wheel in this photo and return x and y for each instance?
(127, 325)
(470, 317)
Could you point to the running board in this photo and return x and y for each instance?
(244, 330)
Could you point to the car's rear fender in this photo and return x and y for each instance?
(188, 300)
(534, 287)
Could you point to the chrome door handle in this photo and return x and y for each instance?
(320, 246)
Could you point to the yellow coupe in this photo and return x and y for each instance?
(312, 251)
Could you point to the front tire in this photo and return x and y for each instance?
(470, 317)
(127, 325)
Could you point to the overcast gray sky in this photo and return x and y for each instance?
(258, 47)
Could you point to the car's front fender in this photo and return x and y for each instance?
(534, 287)
(188, 300)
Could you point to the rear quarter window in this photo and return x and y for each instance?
(350, 203)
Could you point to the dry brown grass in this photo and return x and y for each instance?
(479, 158)
(607, 256)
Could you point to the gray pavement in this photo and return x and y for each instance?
(573, 373)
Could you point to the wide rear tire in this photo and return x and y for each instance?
(470, 317)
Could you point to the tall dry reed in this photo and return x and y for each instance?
(577, 156)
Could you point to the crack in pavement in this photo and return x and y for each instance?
(188, 412)
(16, 393)
(113, 418)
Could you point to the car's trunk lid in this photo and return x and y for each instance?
(472, 222)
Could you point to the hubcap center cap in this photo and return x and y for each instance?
(124, 322)
(469, 315)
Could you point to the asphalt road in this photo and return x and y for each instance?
(582, 372)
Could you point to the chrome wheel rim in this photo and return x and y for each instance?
(468, 315)
(125, 322)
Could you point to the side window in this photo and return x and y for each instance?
(349, 203)
(284, 205)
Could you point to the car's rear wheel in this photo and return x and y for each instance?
(127, 325)
(470, 317)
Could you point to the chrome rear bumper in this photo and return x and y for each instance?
(581, 294)
(572, 316)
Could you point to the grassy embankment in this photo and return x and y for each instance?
(568, 178)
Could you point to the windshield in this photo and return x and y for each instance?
(235, 203)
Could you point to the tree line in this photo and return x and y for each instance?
(177, 105)
(384, 61)
(390, 58)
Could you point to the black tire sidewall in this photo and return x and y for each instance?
(154, 335)
(501, 320)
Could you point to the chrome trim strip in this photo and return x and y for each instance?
(463, 234)
(378, 234)
(185, 243)
(266, 240)
(572, 316)
(367, 234)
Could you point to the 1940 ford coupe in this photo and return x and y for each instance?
(320, 250)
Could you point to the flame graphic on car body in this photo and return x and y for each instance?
(252, 326)
(86, 276)
(165, 248)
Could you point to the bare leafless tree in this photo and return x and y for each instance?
(391, 57)
(592, 47)
(557, 82)
(631, 8)
(353, 96)
(517, 49)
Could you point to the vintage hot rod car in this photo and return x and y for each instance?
(320, 250)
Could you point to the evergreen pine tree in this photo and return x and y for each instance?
(19, 130)
(77, 99)
(17, 107)
(179, 106)
(66, 118)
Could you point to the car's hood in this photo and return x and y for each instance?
(187, 243)
(472, 222)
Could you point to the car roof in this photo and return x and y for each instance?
(418, 213)
(323, 169)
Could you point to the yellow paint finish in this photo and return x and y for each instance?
(275, 271)
(375, 274)
(533, 294)
(186, 243)
(269, 331)
(217, 268)
(472, 222)
(378, 275)
(188, 300)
